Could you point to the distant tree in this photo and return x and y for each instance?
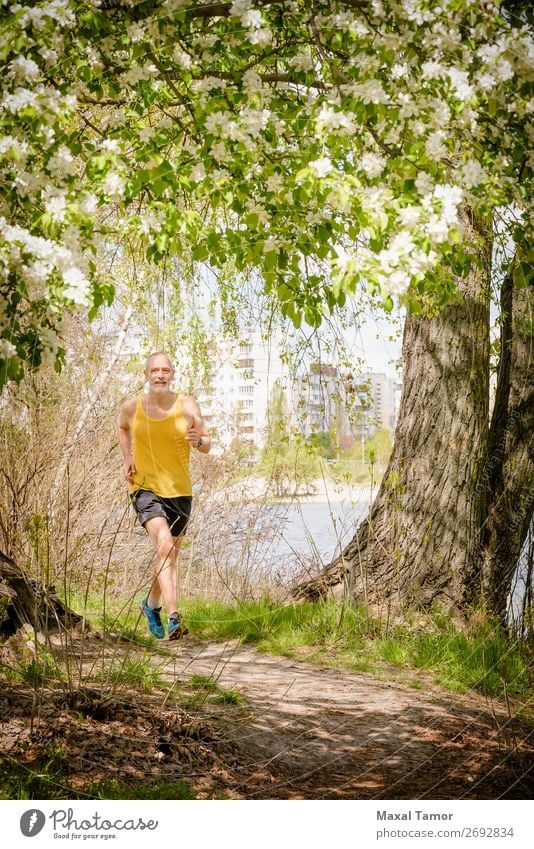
(378, 446)
(324, 443)
(278, 426)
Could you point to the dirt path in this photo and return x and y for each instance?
(318, 732)
(301, 731)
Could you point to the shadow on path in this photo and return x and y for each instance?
(334, 734)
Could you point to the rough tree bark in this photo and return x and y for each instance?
(437, 509)
(509, 476)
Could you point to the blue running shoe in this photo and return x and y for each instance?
(155, 625)
(176, 627)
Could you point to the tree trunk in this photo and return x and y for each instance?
(509, 474)
(420, 543)
(456, 503)
(29, 602)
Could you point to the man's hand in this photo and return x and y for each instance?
(192, 436)
(129, 471)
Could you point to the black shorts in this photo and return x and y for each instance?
(177, 510)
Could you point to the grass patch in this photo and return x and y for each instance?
(483, 658)
(199, 690)
(141, 790)
(43, 778)
(37, 672)
(229, 697)
(132, 671)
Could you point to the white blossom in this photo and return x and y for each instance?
(256, 208)
(432, 70)
(372, 164)
(239, 7)
(135, 32)
(486, 82)
(450, 198)
(274, 183)
(49, 55)
(23, 69)
(216, 121)
(252, 81)
(270, 244)
(198, 172)
(262, 36)
(398, 282)
(61, 163)
(332, 119)
(460, 83)
(302, 61)
(437, 228)
(407, 106)
(435, 148)
(89, 204)
(233, 132)
(503, 70)
(137, 74)
(113, 184)
(322, 166)
(402, 243)
(117, 118)
(110, 145)
(252, 19)
(20, 99)
(78, 286)
(399, 70)
(56, 206)
(369, 91)
(8, 142)
(181, 57)
(219, 152)
(255, 120)
(472, 173)
(35, 275)
(409, 215)
(210, 83)
(424, 183)
(147, 134)
(7, 349)
(489, 53)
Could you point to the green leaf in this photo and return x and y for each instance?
(251, 220)
(523, 275)
(200, 252)
(271, 260)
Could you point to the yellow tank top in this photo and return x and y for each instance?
(161, 452)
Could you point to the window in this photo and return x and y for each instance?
(246, 390)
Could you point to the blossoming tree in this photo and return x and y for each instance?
(327, 145)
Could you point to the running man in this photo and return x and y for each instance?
(156, 432)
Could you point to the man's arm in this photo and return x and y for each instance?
(125, 438)
(197, 432)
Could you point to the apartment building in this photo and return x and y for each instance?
(317, 399)
(243, 375)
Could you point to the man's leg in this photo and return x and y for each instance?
(164, 586)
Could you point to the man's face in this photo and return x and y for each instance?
(159, 373)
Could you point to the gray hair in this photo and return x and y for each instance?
(157, 354)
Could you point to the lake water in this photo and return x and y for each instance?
(288, 537)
